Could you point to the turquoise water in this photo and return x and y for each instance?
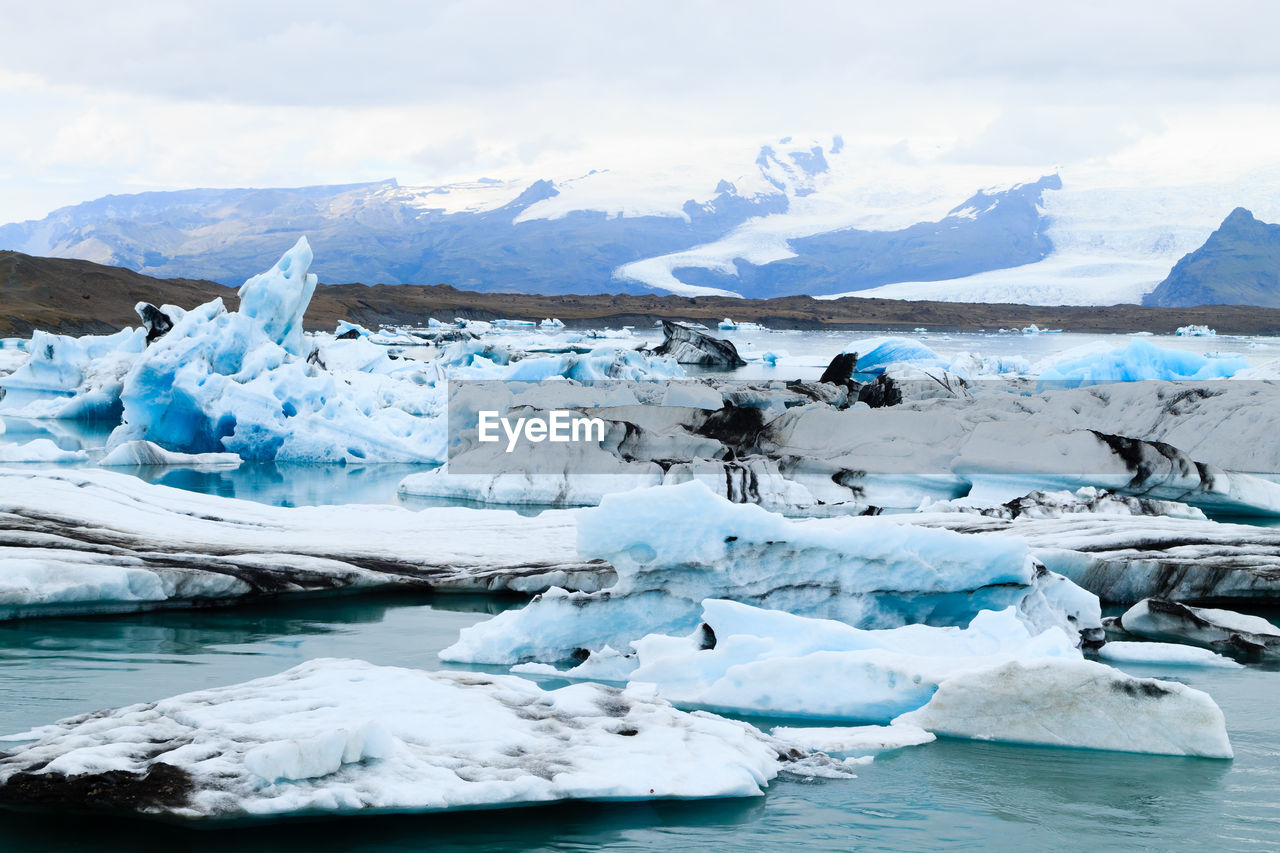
(946, 795)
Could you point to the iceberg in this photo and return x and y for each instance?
(344, 736)
(1212, 628)
(145, 454)
(875, 354)
(1140, 360)
(853, 739)
(674, 546)
(38, 450)
(246, 382)
(1163, 654)
(1075, 704)
(72, 378)
(1124, 559)
(98, 541)
(1004, 460)
(747, 660)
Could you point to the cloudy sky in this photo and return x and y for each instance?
(127, 96)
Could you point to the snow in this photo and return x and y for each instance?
(1075, 704)
(674, 546)
(146, 453)
(38, 450)
(1175, 654)
(342, 736)
(1140, 360)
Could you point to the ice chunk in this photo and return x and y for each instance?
(875, 354)
(1176, 654)
(172, 548)
(1077, 704)
(854, 739)
(1159, 619)
(343, 736)
(674, 546)
(38, 450)
(145, 453)
(746, 660)
(278, 298)
(1140, 360)
(73, 378)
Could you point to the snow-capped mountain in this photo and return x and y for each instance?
(806, 217)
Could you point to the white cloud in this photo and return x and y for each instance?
(136, 95)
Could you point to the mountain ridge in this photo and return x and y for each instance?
(80, 297)
(1239, 264)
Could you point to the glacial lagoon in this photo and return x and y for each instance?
(950, 794)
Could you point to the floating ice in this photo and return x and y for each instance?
(73, 378)
(1159, 619)
(169, 548)
(746, 660)
(145, 453)
(1174, 654)
(343, 736)
(1140, 360)
(38, 450)
(853, 739)
(675, 546)
(1076, 704)
(875, 354)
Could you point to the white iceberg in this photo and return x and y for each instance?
(38, 450)
(1167, 654)
(146, 453)
(747, 660)
(94, 541)
(674, 546)
(853, 739)
(1211, 627)
(1075, 704)
(344, 736)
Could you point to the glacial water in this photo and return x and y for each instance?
(946, 795)
(950, 794)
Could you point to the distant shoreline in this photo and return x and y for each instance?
(81, 297)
